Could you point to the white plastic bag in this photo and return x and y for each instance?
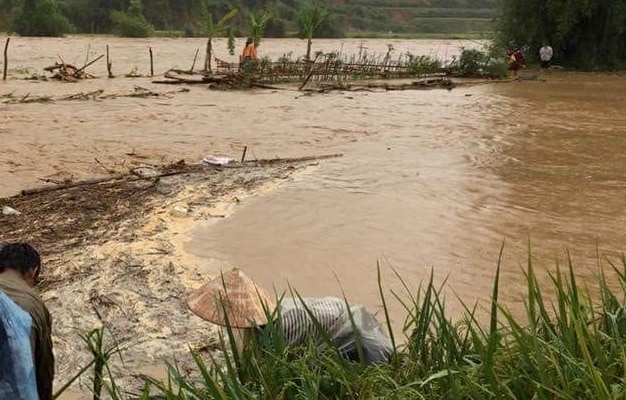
(217, 160)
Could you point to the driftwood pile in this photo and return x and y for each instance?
(68, 72)
(65, 215)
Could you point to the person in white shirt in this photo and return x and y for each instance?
(545, 55)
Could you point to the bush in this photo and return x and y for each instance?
(479, 63)
(329, 28)
(422, 65)
(275, 28)
(130, 26)
(39, 18)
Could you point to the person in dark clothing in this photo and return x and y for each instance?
(517, 60)
(20, 265)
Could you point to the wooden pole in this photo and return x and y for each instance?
(6, 59)
(306, 80)
(243, 156)
(311, 71)
(109, 63)
(79, 70)
(151, 63)
(194, 60)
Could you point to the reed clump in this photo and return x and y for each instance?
(572, 347)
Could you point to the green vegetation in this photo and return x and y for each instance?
(257, 22)
(213, 30)
(585, 34)
(345, 17)
(568, 348)
(37, 18)
(474, 63)
(310, 17)
(131, 23)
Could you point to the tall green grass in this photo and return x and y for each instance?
(570, 347)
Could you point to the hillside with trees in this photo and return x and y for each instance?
(188, 17)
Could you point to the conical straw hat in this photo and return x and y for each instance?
(232, 299)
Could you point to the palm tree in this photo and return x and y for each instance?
(258, 23)
(212, 31)
(310, 17)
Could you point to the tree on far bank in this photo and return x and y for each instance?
(38, 18)
(585, 34)
(310, 16)
(6, 14)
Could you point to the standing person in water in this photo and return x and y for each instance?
(545, 55)
(248, 57)
(516, 60)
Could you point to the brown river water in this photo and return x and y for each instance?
(429, 181)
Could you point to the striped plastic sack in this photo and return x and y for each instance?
(346, 331)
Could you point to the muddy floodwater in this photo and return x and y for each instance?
(429, 180)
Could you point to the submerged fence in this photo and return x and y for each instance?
(332, 67)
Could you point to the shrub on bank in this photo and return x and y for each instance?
(474, 63)
(126, 25)
(131, 23)
(569, 348)
(38, 18)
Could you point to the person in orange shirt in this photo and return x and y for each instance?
(248, 56)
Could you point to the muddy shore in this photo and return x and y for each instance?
(113, 254)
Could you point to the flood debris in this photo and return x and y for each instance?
(6, 210)
(68, 213)
(94, 95)
(11, 98)
(65, 72)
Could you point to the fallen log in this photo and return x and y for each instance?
(78, 71)
(179, 168)
(171, 82)
(57, 65)
(294, 159)
(262, 86)
(181, 79)
(50, 188)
